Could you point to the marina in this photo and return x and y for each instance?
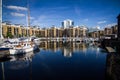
(59, 40)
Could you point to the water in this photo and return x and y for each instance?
(58, 61)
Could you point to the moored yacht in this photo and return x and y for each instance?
(26, 45)
(7, 44)
(23, 47)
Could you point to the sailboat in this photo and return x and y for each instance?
(4, 45)
(24, 46)
(3, 48)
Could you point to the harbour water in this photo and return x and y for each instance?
(60, 61)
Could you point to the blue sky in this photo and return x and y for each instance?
(46, 13)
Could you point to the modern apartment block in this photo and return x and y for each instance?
(67, 23)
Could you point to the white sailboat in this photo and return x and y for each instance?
(3, 49)
(26, 45)
(23, 47)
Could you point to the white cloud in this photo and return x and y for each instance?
(110, 25)
(17, 8)
(47, 20)
(39, 20)
(32, 18)
(17, 14)
(42, 17)
(98, 27)
(101, 22)
(85, 20)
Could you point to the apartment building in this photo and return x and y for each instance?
(114, 29)
(106, 32)
(67, 23)
(9, 30)
(13, 31)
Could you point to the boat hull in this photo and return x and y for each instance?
(15, 51)
(4, 53)
(22, 51)
(2, 49)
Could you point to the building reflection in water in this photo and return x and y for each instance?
(21, 61)
(67, 48)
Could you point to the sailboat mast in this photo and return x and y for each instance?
(1, 37)
(28, 18)
(28, 13)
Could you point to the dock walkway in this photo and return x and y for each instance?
(110, 49)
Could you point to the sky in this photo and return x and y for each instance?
(46, 13)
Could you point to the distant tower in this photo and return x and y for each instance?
(118, 34)
(67, 23)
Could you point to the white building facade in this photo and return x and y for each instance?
(67, 23)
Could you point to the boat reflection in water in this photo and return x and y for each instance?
(20, 62)
(4, 54)
(18, 65)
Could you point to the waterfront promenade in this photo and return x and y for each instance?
(78, 39)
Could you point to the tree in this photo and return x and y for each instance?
(19, 35)
(9, 35)
(89, 35)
